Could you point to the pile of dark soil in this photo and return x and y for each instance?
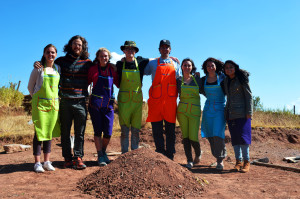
(142, 173)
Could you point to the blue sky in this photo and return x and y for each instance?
(263, 37)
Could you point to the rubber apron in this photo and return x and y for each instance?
(213, 120)
(45, 107)
(130, 98)
(102, 92)
(189, 111)
(162, 102)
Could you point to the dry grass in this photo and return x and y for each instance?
(275, 119)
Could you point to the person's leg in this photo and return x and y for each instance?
(47, 150)
(237, 152)
(193, 131)
(157, 131)
(124, 138)
(66, 115)
(80, 115)
(197, 149)
(170, 139)
(37, 155)
(246, 158)
(135, 138)
(187, 149)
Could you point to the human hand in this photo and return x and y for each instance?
(249, 116)
(37, 65)
(175, 59)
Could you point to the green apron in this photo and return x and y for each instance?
(45, 107)
(189, 111)
(130, 98)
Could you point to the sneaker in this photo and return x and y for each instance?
(38, 168)
(106, 158)
(78, 164)
(48, 166)
(101, 161)
(189, 165)
(68, 164)
(197, 159)
(220, 166)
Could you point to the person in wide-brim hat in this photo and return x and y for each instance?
(130, 44)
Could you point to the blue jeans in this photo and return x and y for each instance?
(241, 152)
(125, 138)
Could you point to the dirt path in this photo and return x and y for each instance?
(17, 179)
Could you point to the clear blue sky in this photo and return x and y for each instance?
(262, 36)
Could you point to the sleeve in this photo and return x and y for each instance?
(223, 86)
(178, 69)
(201, 89)
(90, 75)
(149, 67)
(248, 99)
(178, 82)
(32, 80)
(115, 76)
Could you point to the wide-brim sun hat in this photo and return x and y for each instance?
(130, 44)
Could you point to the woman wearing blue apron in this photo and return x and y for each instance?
(101, 102)
(238, 113)
(213, 121)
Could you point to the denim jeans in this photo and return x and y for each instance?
(135, 138)
(241, 152)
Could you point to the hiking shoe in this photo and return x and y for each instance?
(78, 164)
(220, 166)
(246, 167)
(38, 168)
(197, 159)
(238, 165)
(106, 158)
(68, 164)
(101, 161)
(189, 165)
(48, 166)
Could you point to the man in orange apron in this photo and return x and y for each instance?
(162, 102)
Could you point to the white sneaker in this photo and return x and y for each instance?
(38, 168)
(189, 165)
(48, 166)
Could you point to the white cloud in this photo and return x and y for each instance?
(115, 57)
(295, 103)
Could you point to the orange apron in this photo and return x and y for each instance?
(163, 94)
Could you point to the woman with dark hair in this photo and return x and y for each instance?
(238, 113)
(43, 87)
(101, 104)
(189, 110)
(213, 121)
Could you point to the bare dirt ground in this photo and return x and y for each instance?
(17, 179)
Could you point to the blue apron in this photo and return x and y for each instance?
(213, 120)
(101, 104)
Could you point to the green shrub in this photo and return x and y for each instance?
(10, 97)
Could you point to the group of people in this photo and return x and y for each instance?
(59, 89)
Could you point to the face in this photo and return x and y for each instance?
(211, 67)
(103, 58)
(50, 54)
(129, 52)
(164, 50)
(77, 46)
(229, 70)
(187, 67)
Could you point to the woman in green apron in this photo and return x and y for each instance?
(43, 87)
(189, 110)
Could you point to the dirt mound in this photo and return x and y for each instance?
(142, 173)
(285, 135)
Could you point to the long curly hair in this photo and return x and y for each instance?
(84, 54)
(218, 63)
(242, 75)
(193, 65)
(43, 60)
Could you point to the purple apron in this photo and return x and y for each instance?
(101, 104)
(240, 131)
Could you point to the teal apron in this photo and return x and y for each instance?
(213, 120)
(45, 107)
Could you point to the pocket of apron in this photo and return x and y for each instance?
(44, 104)
(137, 96)
(182, 107)
(124, 96)
(156, 91)
(172, 90)
(195, 110)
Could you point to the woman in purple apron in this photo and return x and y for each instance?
(101, 108)
(238, 112)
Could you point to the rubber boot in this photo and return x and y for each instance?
(246, 167)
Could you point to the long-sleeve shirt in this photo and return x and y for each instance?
(36, 79)
(93, 74)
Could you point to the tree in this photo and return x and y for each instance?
(257, 105)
